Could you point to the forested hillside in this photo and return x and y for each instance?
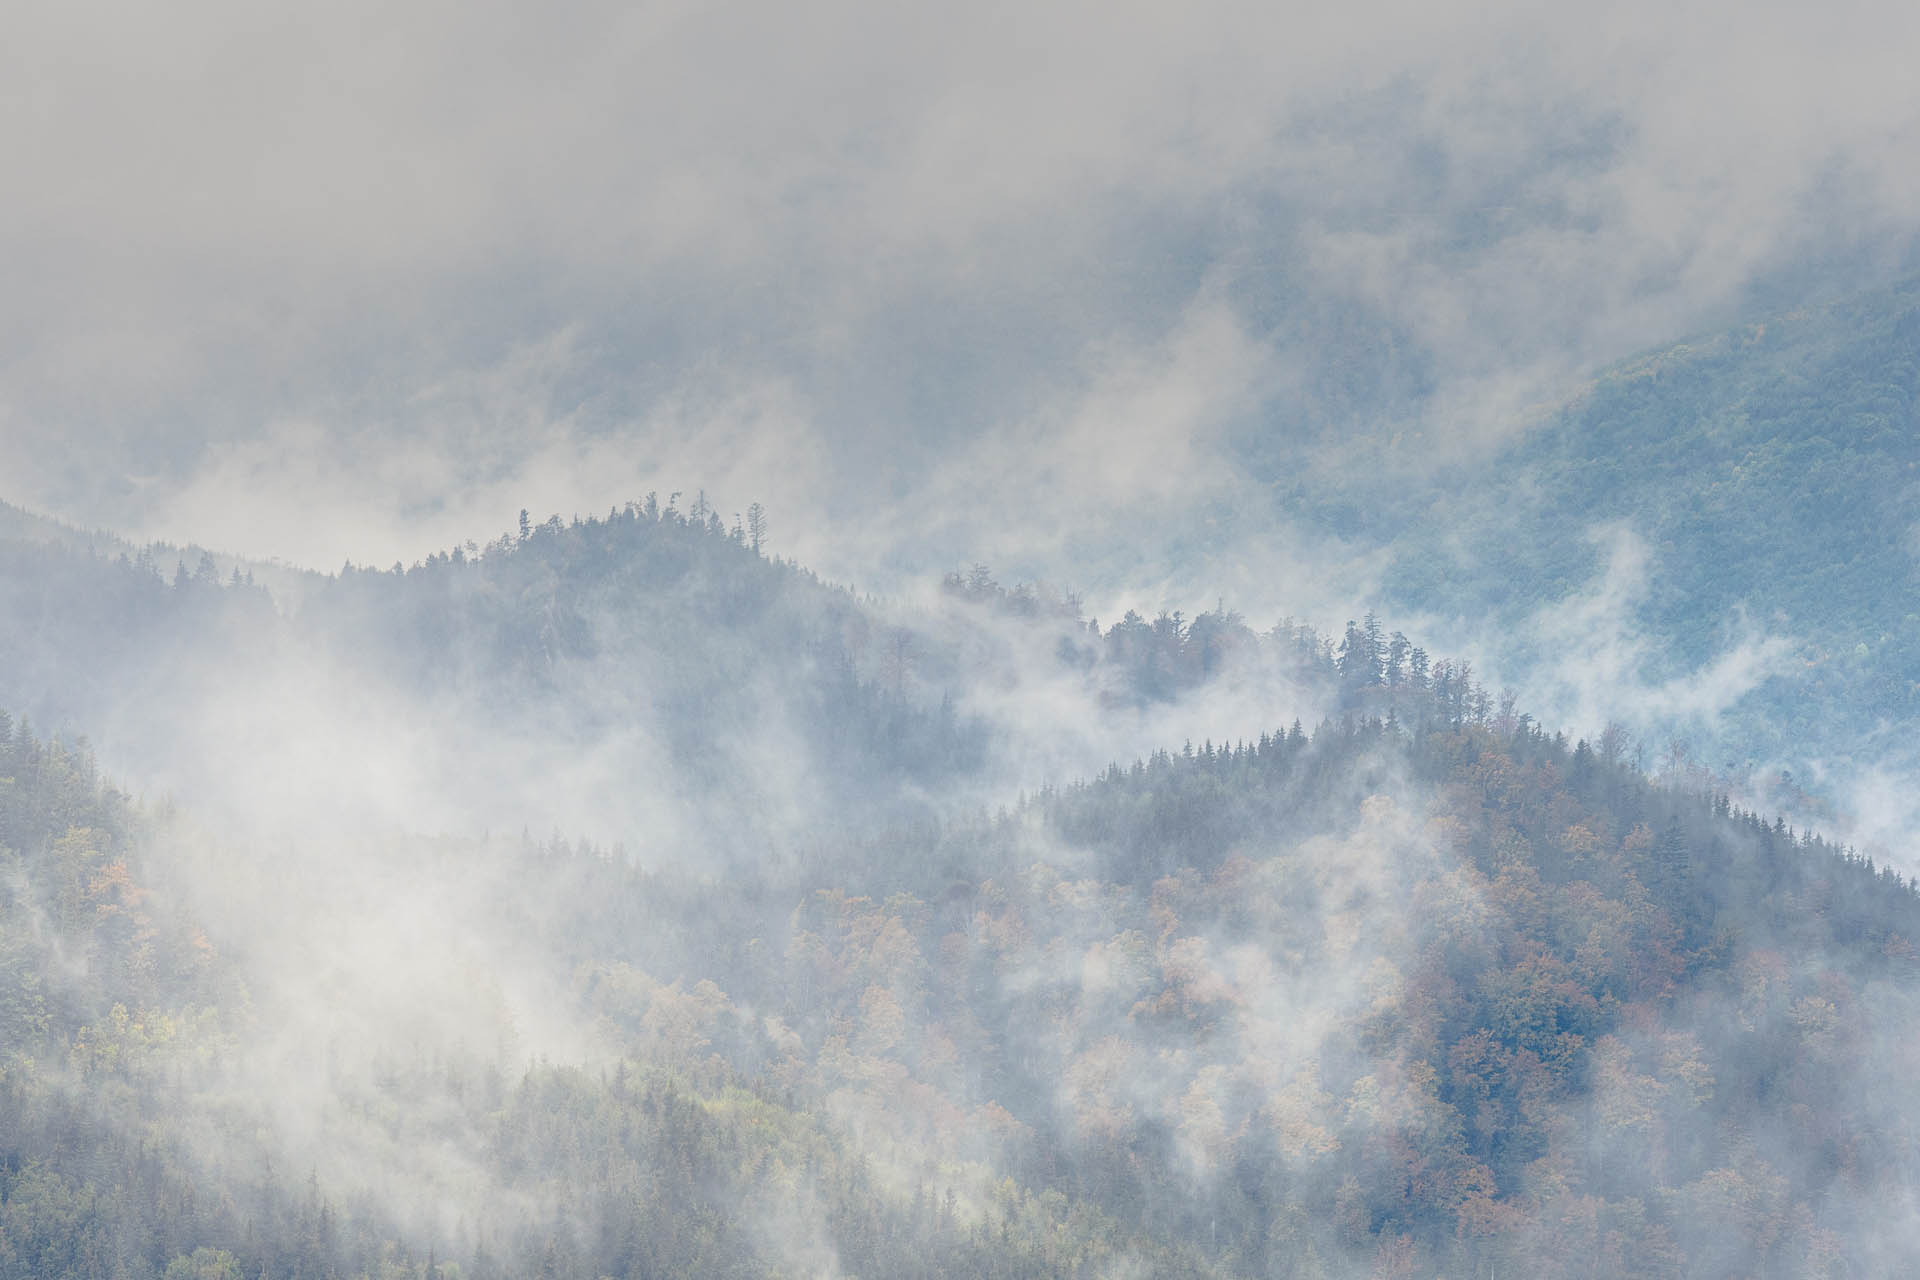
(1770, 471)
(556, 658)
(134, 1141)
(1422, 989)
(735, 693)
(758, 641)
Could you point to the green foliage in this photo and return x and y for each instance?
(204, 1264)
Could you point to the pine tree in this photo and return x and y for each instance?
(1670, 854)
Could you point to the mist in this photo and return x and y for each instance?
(475, 264)
(1031, 641)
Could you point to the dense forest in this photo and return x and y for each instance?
(1404, 984)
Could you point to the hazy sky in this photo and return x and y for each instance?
(935, 283)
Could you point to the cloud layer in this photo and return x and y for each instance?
(359, 284)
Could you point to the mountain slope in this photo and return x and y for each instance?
(541, 671)
(613, 675)
(1772, 473)
(1426, 990)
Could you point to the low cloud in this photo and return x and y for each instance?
(474, 261)
(1596, 661)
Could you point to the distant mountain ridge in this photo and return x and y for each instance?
(23, 525)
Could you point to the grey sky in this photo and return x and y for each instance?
(358, 282)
